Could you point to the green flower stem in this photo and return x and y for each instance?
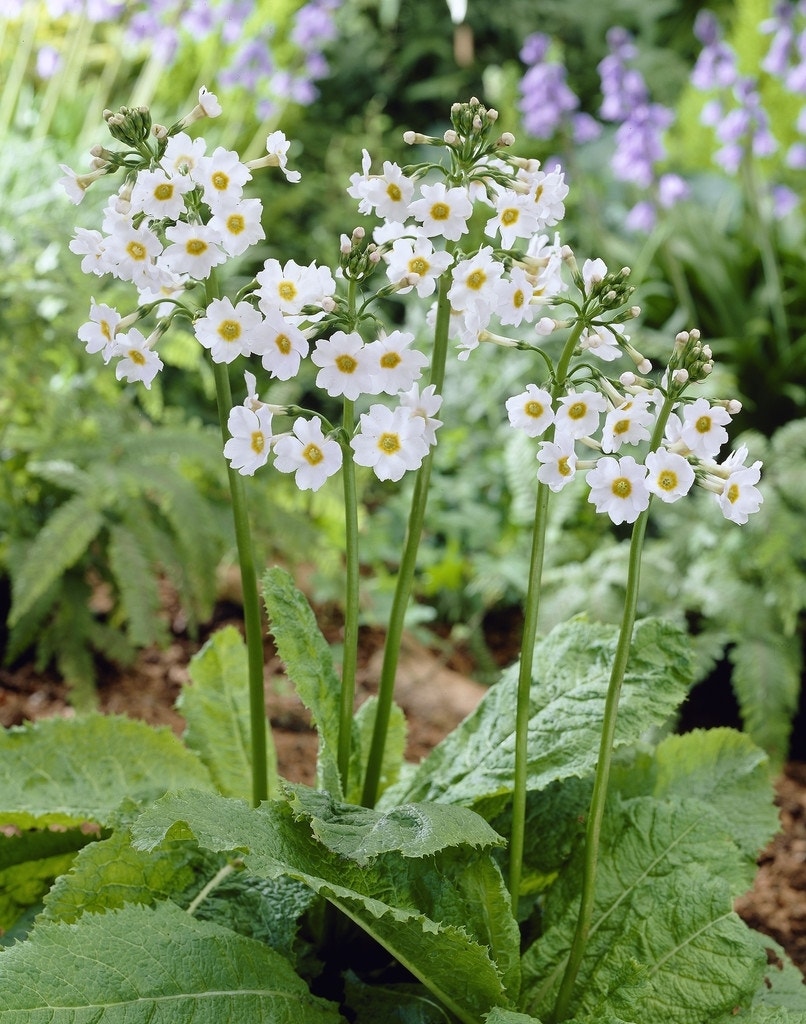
(251, 607)
(408, 565)
(599, 798)
(350, 656)
(530, 616)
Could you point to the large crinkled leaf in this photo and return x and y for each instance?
(144, 965)
(216, 710)
(475, 763)
(309, 664)
(658, 904)
(67, 771)
(393, 751)
(784, 985)
(444, 917)
(399, 1003)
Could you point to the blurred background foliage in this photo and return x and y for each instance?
(99, 477)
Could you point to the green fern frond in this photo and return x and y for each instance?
(136, 582)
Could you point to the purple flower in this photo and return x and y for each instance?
(716, 64)
(48, 62)
(547, 103)
(784, 201)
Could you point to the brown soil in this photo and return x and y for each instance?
(436, 693)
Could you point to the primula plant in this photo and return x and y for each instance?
(559, 856)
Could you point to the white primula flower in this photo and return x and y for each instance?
(394, 365)
(130, 252)
(75, 185)
(281, 346)
(514, 299)
(344, 367)
(308, 454)
(223, 177)
(558, 463)
(277, 147)
(442, 211)
(390, 441)
(531, 411)
(602, 341)
(290, 287)
(515, 217)
(547, 191)
(703, 428)
(194, 250)
(228, 331)
(208, 101)
(172, 287)
(476, 281)
(740, 497)
(390, 193)
(239, 227)
(137, 361)
(90, 244)
(424, 405)
(250, 438)
(578, 413)
(618, 487)
(160, 196)
(593, 272)
(416, 260)
(670, 475)
(182, 155)
(98, 334)
(627, 424)
(359, 184)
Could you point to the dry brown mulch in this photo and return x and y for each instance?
(435, 698)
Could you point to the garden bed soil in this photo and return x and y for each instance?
(436, 691)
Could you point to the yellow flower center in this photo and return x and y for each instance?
(195, 246)
(476, 280)
(703, 425)
(667, 480)
(287, 291)
(389, 360)
(533, 408)
(137, 251)
(229, 330)
(621, 487)
(258, 442)
(312, 454)
(510, 216)
(389, 443)
(106, 330)
(538, 193)
(577, 410)
(518, 299)
(440, 211)
(283, 342)
(220, 181)
(346, 364)
(164, 191)
(137, 356)
(732, 493)
(394, 193)
(562, 466)
(621, 427)
(418, 265)
(235, 223)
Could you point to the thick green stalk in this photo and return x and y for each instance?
(350, 656)
(530, 615)
(593, 827)
(408, 565)
(261, 775)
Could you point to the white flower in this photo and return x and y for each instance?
(558, 463)
(308, 454)
(547, 191)
(227, 330)
(172, 286)
(359, 184)
(602, 341)
(75, 185)
(425, 406)
(442, 211)
(90, 244)
(513, 302)
(222, 176)
(344, 367)
(193, 251)
(740, 497)
(208, 101)
(593, 272)
(98, 334)
(291, 287)
(277, 146)
(703, 428)
(389, 193)
(394, 365)
(160, 196)
(516, 217)
(130, 252)
(531, 411)
(416, 260)
(239, 227)
(476, 281)
(618, 487)
(578, 413)
(627, 424)
(281, 346)
(250, 438)
(137, 361)
(182, 155)
(391, 441)
(670, 475)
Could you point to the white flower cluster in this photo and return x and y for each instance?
(621, 486)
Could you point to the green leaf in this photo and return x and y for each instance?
(444, 917)
(144, 965)
(58, 545)
(475, 763)
(68, 771)
(499, 1016)
(784, 985)
(309, 663)
(394, 1004)
(767, 679)
(216, 710)
(393, 751)
(137, 584)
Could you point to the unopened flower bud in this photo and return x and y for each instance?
(159, 131)
(734, 406)
(507, 139)
(492, 114)
(477, 123)
(450, 137)
(358, 234)
(409, 138)
(627, 379)
(328, 304)
(680, 376)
